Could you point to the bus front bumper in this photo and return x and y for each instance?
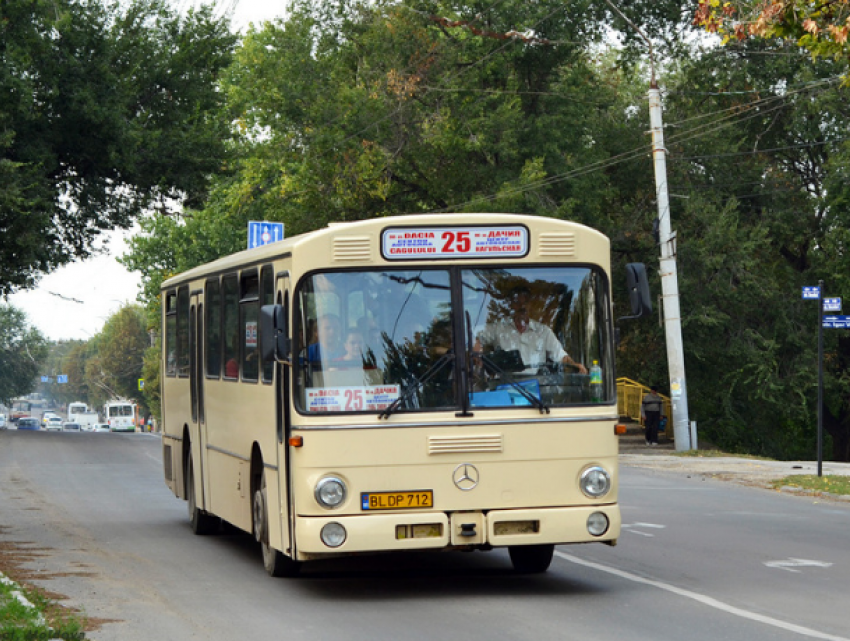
(433, 530)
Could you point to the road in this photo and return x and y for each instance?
(88, 516)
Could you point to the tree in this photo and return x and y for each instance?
(761, 161)
(821, 27)
(106, 108)
(114, 369)
(22, 350)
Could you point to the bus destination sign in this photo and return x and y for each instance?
(415, 243)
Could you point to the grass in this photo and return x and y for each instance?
(718, 454)
(39, 620)
(831, 483)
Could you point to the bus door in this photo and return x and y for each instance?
(283, 384)
(196, 389)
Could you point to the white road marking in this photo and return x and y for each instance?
(705, 600)
(630, 527)
(789, 564)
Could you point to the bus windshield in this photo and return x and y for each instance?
(452, 338)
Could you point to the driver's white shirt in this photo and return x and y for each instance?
(534, 344)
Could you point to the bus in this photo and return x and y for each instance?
(120, 414)
(422, 382)
(80, 413)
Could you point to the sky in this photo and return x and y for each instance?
(73, 302)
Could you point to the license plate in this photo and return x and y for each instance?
(397, 500)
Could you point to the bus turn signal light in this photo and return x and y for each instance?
(296, 441)
(619, 429)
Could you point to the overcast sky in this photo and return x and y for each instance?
(73, 302)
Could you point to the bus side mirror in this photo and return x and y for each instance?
(275, 342)
(638, 286)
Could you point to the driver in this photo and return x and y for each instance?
(535, 342)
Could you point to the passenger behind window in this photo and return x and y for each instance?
(353, 346)
(329, 346)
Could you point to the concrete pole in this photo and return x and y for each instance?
(669, 280)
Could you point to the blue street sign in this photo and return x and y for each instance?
(263, 232)
(62, 378)
(45, 379)
(832, 304)
(836, 322)
(811, 293)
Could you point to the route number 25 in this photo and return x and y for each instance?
(456, 242)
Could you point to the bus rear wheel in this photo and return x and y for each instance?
(276, 563)
(201, 522)
(531, 559)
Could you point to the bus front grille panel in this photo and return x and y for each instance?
(557, 244)
(464, 444)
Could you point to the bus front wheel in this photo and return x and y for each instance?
(275, 562)
(201, 522)
(531, 559)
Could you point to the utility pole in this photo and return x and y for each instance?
(669, 280)
(685, 438)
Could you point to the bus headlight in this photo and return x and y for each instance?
(333, 535)
(595, 482)
(330, 492)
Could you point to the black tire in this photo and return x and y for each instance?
(531, 559)
(276, 563)
(201, 522)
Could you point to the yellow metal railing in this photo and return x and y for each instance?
(630, 396)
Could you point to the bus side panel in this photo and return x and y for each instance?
(230, 439)
(175, 406)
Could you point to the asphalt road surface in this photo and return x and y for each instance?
(88, 517)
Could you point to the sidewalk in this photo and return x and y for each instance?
(744, 471)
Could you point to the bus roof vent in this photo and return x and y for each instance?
(464, 444)
(555, 243)
(348, 248)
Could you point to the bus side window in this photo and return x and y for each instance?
(212, 346)
(267, 298)
(183, 331)
(170, 306)
(249, 321)
(230, 326)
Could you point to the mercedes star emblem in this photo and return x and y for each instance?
(465, 477)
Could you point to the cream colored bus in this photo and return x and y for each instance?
(410, 383)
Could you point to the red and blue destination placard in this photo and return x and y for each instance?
(415, 243)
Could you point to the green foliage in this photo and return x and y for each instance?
(22, 351)
(105, 108)
(114, 369)
(352, 110)
(19, 622)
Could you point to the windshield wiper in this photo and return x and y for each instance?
(417, 383)
(536, 402)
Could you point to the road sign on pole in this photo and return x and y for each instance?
(263, 232)
(836, 322)
(832, 304)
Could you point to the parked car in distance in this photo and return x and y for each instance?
(71, 426)
(47, 416)
(101, 427)
(28, 423)
(53, 424)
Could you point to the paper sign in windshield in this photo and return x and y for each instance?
(351, 399)
(414, 243)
